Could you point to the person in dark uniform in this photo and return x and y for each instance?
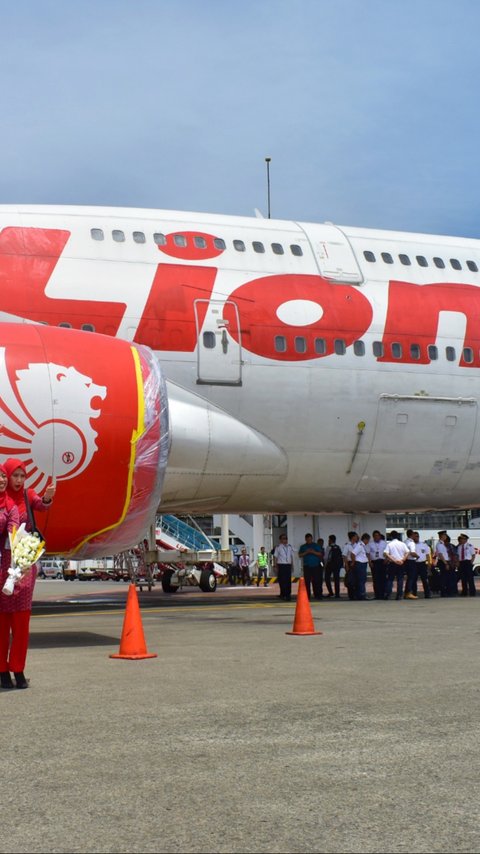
(333, 565)
(311, 555)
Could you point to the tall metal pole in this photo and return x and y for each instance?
(267, 161)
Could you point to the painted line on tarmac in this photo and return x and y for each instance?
(173, 610)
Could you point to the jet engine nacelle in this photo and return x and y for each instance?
(90, 413)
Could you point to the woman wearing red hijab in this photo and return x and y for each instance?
(15, 610)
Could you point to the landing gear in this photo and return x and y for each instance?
(167, 585)
(208, 581)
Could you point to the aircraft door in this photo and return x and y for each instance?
(334, 253)
(219, 352)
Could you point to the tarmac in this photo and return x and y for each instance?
(238, 737)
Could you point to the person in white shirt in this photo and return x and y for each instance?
(410, 567)
(466, 556)
(357, 566)
(348, 578)
(396, 553)
(284, 561)
(377, 564)
(421, 564)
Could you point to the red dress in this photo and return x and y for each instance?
(15, 610)
(21, 599)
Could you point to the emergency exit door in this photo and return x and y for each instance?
(334, 253)
(219, 343)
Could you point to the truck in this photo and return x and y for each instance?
(94, 569)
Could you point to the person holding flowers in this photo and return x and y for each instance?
(15, 610)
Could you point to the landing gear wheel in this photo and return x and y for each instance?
(208, 581)
(167, 586)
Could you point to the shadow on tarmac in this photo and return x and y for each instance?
(52, 640)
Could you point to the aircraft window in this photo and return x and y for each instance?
(295, 249)
(300, 345)
(439, 262)
(320, 346)
(377, 348)
(118, 235)
(405, 260)
(97, 234)
(280, 343)
(340, 346)
(219, 243)
(277, 249)
(472, 266)
(209, 340)
(455, 264)
(88, 327)
(422, 261)
(160, 239)
(139, 237)
(65, 325)
(450, 354)
(369, 256)
(239, 245)
(200, 242)
(387, 257)
(397, 351)
(432, 352)
(257, 246)
(180, 240)
(359, 348)
(415, 351)
(468, 355)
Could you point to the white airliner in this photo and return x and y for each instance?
(309, 367)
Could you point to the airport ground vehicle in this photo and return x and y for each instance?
(203, 575)
(51, 568)
(70, 570)
(83, 570)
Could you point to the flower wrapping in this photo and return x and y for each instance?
(26, 549)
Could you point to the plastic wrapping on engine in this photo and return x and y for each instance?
(150, 450)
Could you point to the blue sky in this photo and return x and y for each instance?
(369, 110)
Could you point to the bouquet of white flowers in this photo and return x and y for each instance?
(26, 549)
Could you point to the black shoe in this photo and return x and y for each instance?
(6, 680)
(398, 596)
(20, 680)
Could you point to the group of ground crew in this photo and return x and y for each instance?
(388, 561)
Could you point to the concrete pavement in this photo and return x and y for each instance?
(241, 738)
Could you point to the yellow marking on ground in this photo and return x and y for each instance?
(168, 610)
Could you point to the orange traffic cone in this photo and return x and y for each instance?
(132, 643)
(303, 622)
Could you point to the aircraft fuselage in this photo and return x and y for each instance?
(310, 368)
